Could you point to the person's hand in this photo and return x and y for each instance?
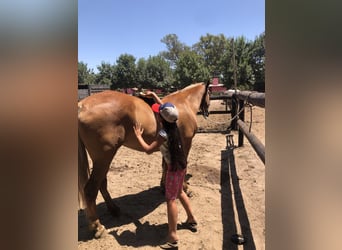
(148, 94)
(138, 129)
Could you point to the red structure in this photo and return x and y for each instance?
(216, 87)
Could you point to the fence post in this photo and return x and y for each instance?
(234, 111)
(89, 90)
(242, 118)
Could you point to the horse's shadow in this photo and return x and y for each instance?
(133, 207)
(144, 235)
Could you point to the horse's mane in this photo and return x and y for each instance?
(151, 101)
(191, 86)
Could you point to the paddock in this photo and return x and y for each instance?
(228, 186)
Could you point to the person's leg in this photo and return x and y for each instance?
(171, 193)
(172, 216)
(173, 189)
(186, 204)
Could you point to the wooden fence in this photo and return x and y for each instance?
(239, 101)
(85, 90)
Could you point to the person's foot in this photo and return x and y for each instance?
(192, 226)
(170, 245)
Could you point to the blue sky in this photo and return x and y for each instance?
(109, 28)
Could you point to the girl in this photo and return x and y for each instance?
(170, 144)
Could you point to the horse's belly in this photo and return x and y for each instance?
(132, 142)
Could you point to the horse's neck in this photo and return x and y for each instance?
(194, 97)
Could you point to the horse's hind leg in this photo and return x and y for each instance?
(113, 209)
(91, 190)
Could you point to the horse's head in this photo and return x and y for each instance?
(205, 103)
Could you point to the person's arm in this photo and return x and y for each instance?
(148, 148)
(151, 94)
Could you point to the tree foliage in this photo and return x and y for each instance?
(174, 48)
(257, 62)
(211, 48)
(244, 72)
(158, 72)
(190, 68)
(125, 72)
(105, 75)
(85, 75)
(180, 65)
(155, 72)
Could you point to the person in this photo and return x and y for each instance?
(169, 142)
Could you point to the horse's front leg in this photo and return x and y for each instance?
(186, 188)
(163, 177)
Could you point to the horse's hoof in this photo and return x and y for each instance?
(98, 228)
(100, 232)
(189, 193)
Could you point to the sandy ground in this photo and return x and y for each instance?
(228, 186)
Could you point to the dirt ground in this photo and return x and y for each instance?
(227, 185)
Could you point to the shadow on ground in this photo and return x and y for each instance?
(133, 207)
(230, 192)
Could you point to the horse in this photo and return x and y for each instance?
(105, 123)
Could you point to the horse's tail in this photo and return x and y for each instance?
(83, 173)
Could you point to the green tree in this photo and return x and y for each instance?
(85, 75)
(257, 62)
(211, 48)
(174, 48)
(240, 49)
(245, 74)
(105, 74)
(158, 72)
(181, 65)
(227, 64)
(190, 68)
(125, 72)
(155, 72)
(141, 76)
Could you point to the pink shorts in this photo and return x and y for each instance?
(174, 184)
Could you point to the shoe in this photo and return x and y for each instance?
(192, 226)
(170, 245)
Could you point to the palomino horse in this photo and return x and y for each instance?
(105, 123)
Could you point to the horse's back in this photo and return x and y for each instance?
(107, 118)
